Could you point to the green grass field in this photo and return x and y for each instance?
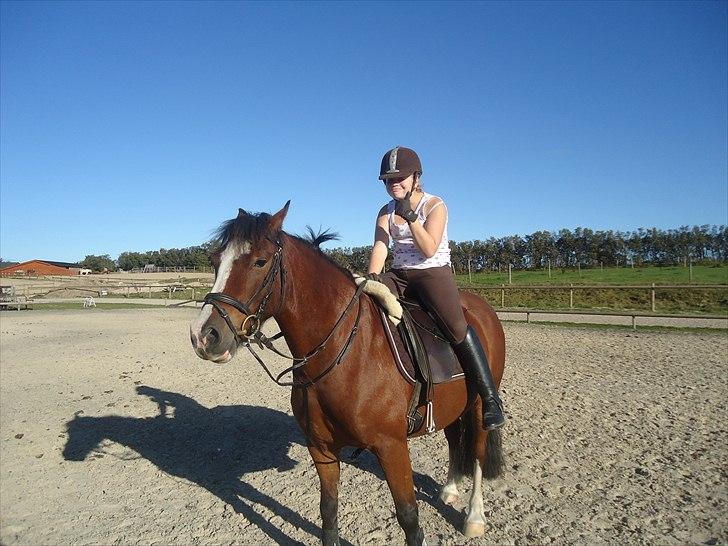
(702, 274)
(676, 301)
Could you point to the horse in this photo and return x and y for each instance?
(346, 389)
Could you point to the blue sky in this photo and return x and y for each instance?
(136, 126)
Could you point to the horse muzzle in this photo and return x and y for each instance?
(211, 344)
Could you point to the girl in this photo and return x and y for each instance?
(417, 222)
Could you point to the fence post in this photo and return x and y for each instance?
(571, 296)
(503, 296)
(653, 297)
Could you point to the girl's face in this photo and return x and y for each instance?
(398, 187)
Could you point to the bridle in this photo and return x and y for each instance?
(216, 298)
(253, 322)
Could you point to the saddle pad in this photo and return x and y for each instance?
(443, 362)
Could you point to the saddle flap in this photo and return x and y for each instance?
(443, 364)
(434, 360)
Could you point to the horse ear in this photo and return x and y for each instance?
(276, 222)
(241, 213)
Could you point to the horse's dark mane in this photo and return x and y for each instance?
(253, 227)
(244, 227)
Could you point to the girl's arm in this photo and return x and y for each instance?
(381, 242)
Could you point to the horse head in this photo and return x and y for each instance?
(248, 287)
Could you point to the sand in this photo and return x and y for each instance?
(112, 431)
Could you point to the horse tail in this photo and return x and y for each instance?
(494, 460)
(465, 450)
(466, 435)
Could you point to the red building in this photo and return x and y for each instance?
(36, 268)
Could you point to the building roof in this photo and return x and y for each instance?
(57, 264)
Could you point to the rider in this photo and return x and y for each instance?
(417, 222)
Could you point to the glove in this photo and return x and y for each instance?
(403, 208)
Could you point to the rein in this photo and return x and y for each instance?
(256, 335)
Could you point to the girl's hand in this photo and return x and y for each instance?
(403, 208)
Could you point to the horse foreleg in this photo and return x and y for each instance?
(395, 462)
(328, 469)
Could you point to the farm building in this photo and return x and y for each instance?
(35, 268)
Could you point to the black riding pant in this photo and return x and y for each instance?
(436, 289)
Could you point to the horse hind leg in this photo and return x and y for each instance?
(450, 493)
(488, 463)
(475, 519)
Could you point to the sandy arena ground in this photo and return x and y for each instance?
(113, 432)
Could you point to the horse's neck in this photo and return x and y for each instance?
(317, 292)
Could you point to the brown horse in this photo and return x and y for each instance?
(347, 390)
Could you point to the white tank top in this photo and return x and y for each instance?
(406, 253)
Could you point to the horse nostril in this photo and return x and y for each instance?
(211, 335)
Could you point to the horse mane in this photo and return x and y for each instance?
(252, 227)
(317, 239)
(314, 240)
(244, 227)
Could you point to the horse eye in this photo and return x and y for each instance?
(260, 263)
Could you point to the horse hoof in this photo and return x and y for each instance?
(474, 530)
(449, 498)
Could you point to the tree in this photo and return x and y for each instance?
(98, 263)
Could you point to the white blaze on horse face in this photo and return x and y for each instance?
(231, 253)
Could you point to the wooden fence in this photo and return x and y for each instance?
(650, 290)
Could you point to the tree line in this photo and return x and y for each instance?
(582, 247)
(194, 256)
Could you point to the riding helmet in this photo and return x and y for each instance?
(399, 162)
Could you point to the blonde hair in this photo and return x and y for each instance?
(417, 183)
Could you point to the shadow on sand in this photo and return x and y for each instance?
(216, 447)
(426, 489)
(213, 448)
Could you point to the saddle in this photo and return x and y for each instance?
(423, 354)
(424, 357)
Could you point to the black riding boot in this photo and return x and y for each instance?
(475, 365)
